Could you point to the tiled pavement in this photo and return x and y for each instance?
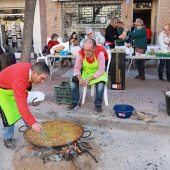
(144, 96)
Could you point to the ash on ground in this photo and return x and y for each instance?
(26, 157)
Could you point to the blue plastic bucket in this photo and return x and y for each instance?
(123, 111)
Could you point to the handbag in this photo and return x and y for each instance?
(140, 50)
(109, 43)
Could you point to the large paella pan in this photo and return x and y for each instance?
(56, 133)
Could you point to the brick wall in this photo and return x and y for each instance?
(163, 14)
(53, 18)
(127, 14)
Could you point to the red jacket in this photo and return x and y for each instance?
(98, 49)
(51, 43)
(15, 77)
(148, 33)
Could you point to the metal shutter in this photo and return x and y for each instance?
(97, 14)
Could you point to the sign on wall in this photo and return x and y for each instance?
(127, 1)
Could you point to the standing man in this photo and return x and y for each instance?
(91, 60)
(94, 35)
(164, 42)
(15, 80)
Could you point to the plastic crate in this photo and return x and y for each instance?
(62, 93)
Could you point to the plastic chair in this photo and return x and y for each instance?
(46, 59)
(93, 85)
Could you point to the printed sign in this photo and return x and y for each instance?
(122, 114)
(127, 1)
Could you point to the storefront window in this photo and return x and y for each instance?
(97, 14)
(12, 24)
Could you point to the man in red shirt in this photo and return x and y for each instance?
(15, 80)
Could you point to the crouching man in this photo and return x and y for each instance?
(15, 81)
(89, 69)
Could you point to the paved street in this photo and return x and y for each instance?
(126, 144)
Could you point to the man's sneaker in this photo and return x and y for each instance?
(142, 77)
(161, 78)
(72, 106)
(137, 77)
(10, 143)
(98, 109)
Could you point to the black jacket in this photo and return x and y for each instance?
(111, 35)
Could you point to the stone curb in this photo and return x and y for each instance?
(111, 122)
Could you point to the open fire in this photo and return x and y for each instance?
(67, 152)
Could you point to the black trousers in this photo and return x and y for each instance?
(162, 64)
(141, 67)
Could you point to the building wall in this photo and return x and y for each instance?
(48, 17)
(53, 19)
(163, 14)
(127, 13)
(11, 4)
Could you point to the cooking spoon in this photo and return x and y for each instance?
(43, 135)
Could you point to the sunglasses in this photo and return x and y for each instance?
(89, 33)
(88, 51)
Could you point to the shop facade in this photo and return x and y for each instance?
(65, 16)
(12, 25)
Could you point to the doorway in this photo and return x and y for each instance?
(145, 15)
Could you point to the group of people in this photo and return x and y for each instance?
(89, 68)
(73, 41)
(139, 37)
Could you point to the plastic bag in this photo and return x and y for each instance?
(36, 96)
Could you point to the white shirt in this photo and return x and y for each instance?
(98, 38)
(163, 41)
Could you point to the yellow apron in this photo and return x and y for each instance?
(90, 69)
(8, 104)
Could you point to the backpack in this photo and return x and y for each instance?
(13, 59)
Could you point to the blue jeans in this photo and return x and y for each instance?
(75, 95)
(161, 68)
(120, 43)
(8, 132)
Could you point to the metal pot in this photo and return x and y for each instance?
(56, 133)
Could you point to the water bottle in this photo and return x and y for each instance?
(134, 48)
(81, 42)
(107, 47)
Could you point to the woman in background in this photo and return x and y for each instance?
(111, 32)
(52, 42)
(73, 41)
(140, 43)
